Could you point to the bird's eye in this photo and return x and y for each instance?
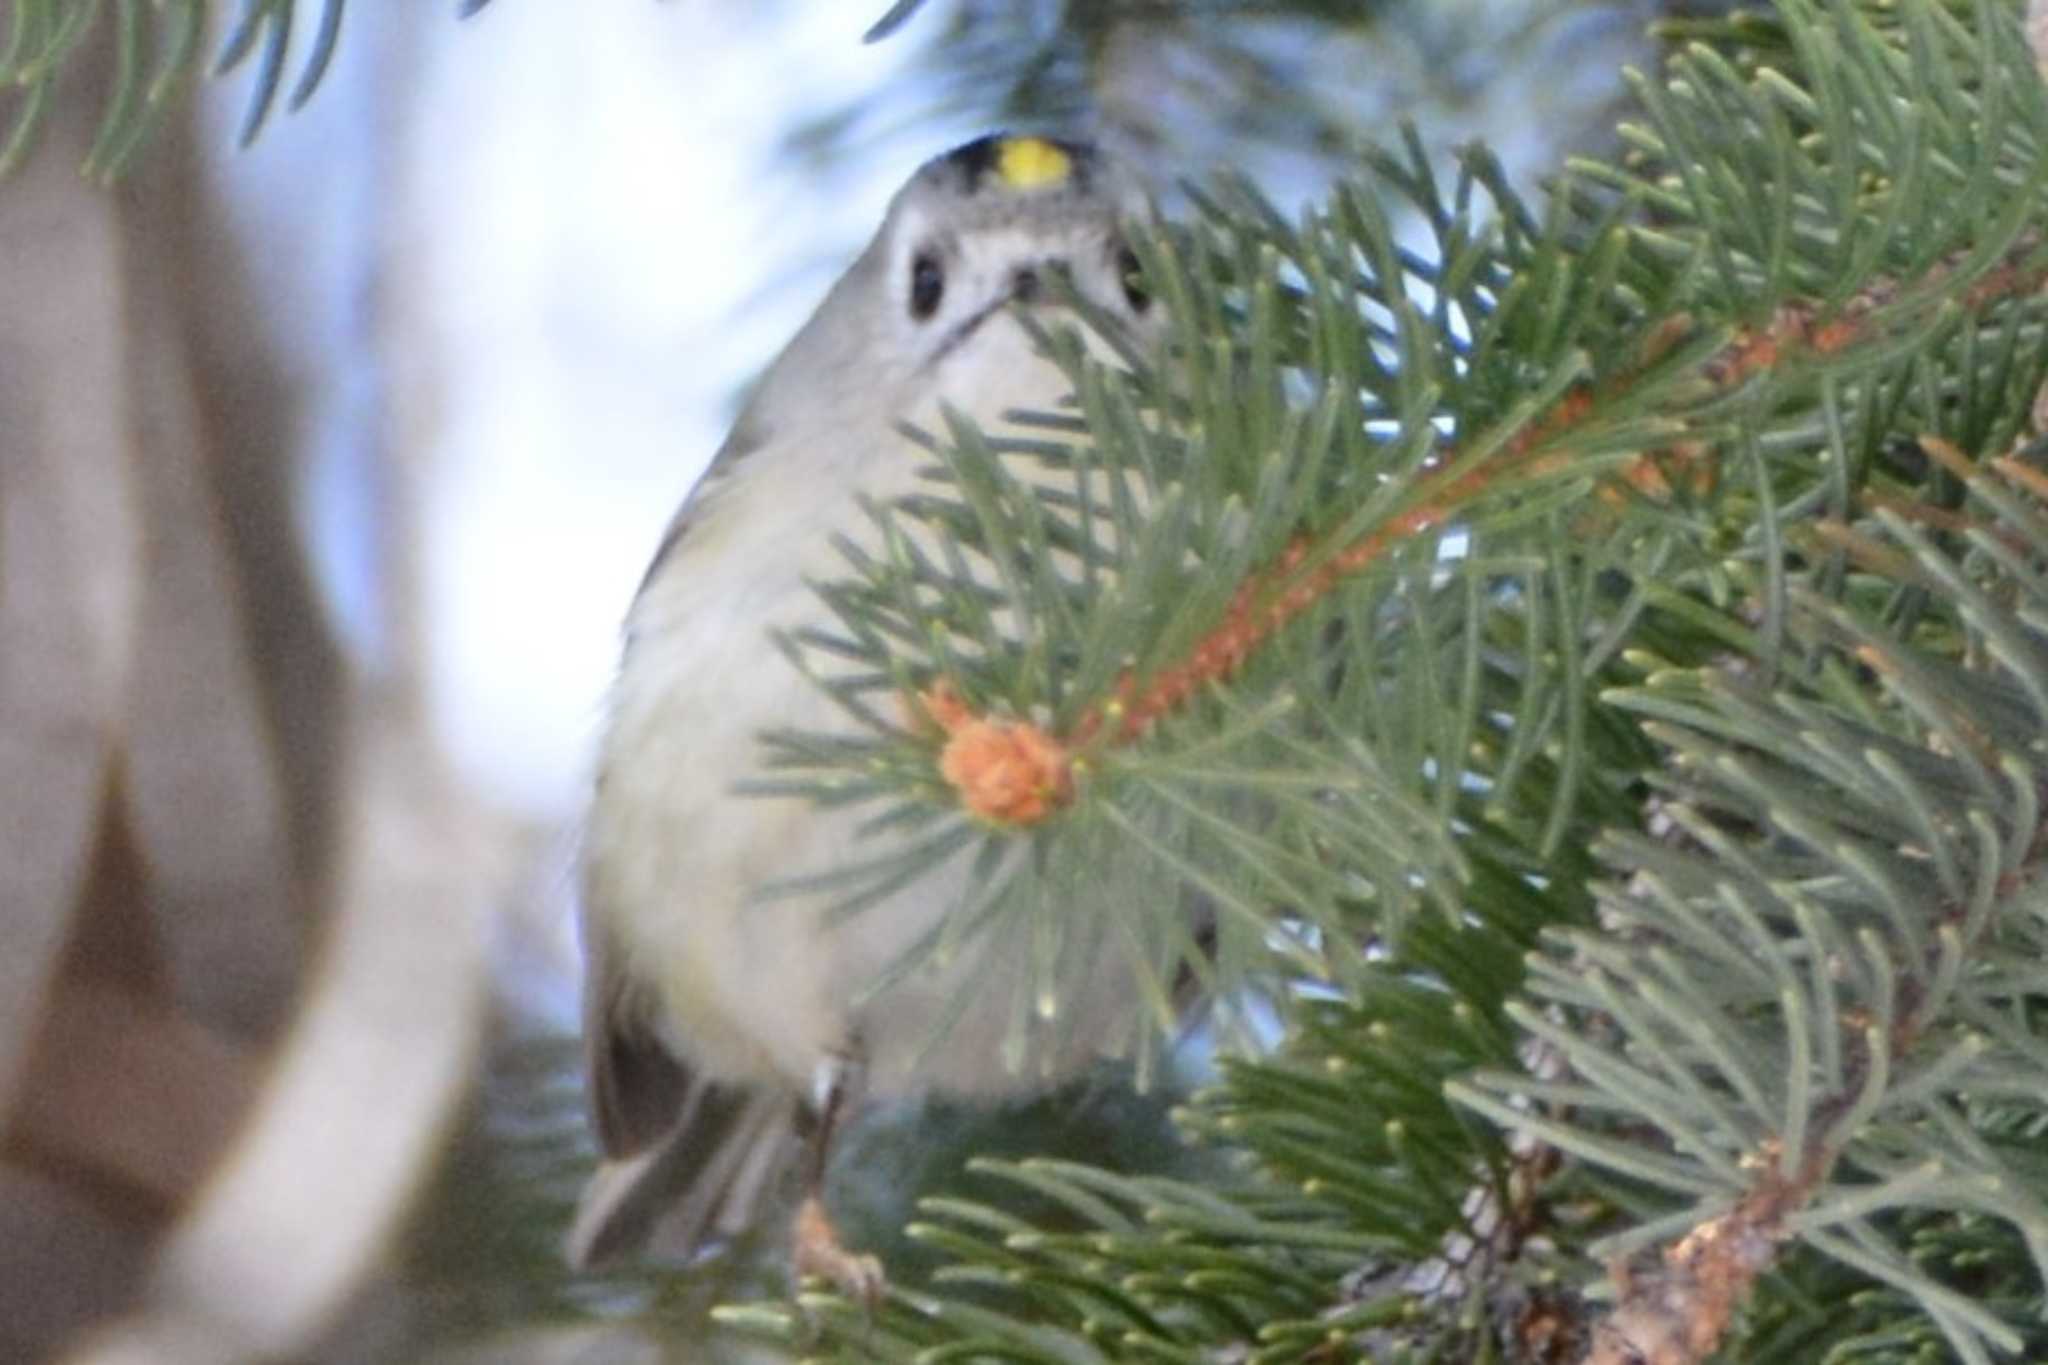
(1131, 277)
(927, 285)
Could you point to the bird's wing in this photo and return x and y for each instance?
(636, 1086)
(747, 436)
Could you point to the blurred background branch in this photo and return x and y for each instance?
(244, 922)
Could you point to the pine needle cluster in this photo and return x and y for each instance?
(155, 49)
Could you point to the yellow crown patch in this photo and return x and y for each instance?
(1032, 163)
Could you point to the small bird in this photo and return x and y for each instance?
(721, 1027)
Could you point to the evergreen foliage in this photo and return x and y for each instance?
(1588, 667)
(156, 47)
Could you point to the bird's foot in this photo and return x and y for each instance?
(819, 1252)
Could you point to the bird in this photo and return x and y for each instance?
(728, 1036)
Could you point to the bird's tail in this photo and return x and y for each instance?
(700, 1183)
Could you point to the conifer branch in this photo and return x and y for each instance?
(1904, 978)
(982, 756)
(1670, 487)
(156, 50)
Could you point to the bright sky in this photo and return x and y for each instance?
(615, 251)
(584, 248)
